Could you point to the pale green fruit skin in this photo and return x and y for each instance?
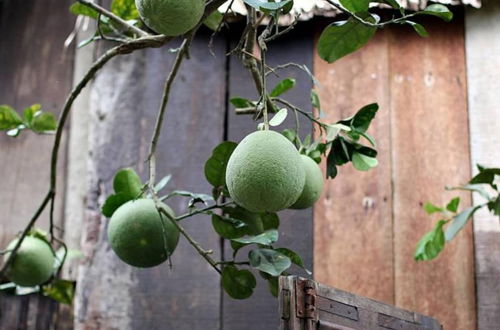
(135, 233)
(33, 263)
(171, 17)
(265, 172)
(313, 186)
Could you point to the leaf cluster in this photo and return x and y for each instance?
(33, 118)
(484, 184)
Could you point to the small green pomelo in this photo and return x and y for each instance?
(171, 17)
(33, 263)
(135, 233)
(265, 172)
(313, 186)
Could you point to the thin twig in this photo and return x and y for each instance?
(217, 30)
(370, 24)
(204, 253)
(114, 18)
(181, 53)
(204, 210)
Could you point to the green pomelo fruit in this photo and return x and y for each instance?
(313, 186)
(135, 233)
(33, 263)
(265, 172)
(171, 17)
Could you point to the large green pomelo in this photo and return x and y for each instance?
(135, 233)
(33, 263)
(265, 172)
(171, 17)
(313, 186)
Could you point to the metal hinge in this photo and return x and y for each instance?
(306, 299)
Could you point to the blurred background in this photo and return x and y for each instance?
(438, 117)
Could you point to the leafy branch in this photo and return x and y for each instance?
(433, 243)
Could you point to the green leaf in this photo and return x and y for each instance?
(264, 5)
(431, 244)
(163, 183)
(266, 238)
(315, 101)
(128, 183)
(362, 162)
(294, 257)
(282, 87)
(459, 221)
(494, 206)
(30, 112)
(125, 9)
(240, 102)
(474, 188)
(9, 119)
(355, 6)
(269, 261)
(431, 208)
(195, 198)
(290, 135)
(238, 284)
(60, 290)
(215, 167)
(453, 205)
(438, 10)
(279, 118)
(363, 118)
(393, 3)
(113, 202)
(44, 122)
(79, 9)
(485, 176)
(227, 227)
(419, 28)
(213, 20)
(342, 38)
(272, 284)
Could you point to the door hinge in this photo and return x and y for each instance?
(306, 299)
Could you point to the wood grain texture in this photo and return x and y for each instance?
(353, 223)
(261, 310)
(482, 36)
(125, 99)
(35, 68)
(367, 247)
(430, 149)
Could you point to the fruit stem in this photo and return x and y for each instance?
(204, 253)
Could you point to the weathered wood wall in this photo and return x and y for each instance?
(483, 71)
(375, 219)
(34, 68)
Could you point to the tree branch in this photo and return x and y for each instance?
(114, 18)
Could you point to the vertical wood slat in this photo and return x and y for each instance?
(125, 100)
(353, 222)
(422, 133)
(261, 310)
(430, 150)
(482, 39)
(35, 68)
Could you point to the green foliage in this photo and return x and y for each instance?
(60, 290)
(80, 9)
(282, 87)
(355, 6)
(215, 167)
(457, 220)
(267, 6)
(127, 186)
(266, 238)
(213, 20)
(269, 261)
(431, 244)
(238, 284)
(342, 38)
(438, 10)
(418, 28)
(33, 118)
(279, 117)
(125, 9)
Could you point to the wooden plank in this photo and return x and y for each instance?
(124, 102)
(482, 40)
(353, 245)
(430, 149)
(35, 68)
(261, 310)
